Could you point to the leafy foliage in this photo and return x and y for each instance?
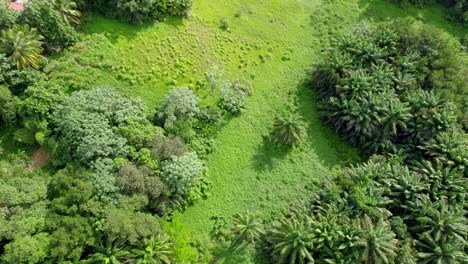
(86, 123)
(22, 46)
(179, 104)
(49, 22)
(182, 173)
(135, 11)
(8, 16)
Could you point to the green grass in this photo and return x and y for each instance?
(247, 172)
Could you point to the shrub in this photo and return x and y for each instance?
(182, 173)
(140, 11)
(8, 16)
(41, 99)
(87, 124)
(47, 19)
(288, 129)
(224, 24)
(232, 99)
(168, 147)
(179, 7)
(134, 179)
(9, 109)
(179, 104)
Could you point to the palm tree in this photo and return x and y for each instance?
(158, 250)
(111, 253)
(22, 46)
(246, 228)
(293, 240)
(444, 223)
(288, 129)
(378, 243)
(396, 115)
(69, 11)
(439, 251)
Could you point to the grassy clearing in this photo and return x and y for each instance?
(271, 42)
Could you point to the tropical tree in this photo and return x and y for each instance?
(22, 46)
(378, 243)
(246, 228)
(288, 129)
(158, 250)
(111, 253)
(69, 11)
(292, 240)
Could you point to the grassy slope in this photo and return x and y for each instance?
(247, 173)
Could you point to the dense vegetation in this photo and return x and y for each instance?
(111, 173)
(378, 88)
(135, 11)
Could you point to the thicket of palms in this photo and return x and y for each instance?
(378, 88)
(22, 46)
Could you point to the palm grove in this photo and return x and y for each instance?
(118, 170)
(379, 87)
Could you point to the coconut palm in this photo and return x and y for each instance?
(158, 250)
(378, 243)
(246, 228)
(69, 11)
(293, 240)
(22, 46)
(288, 129)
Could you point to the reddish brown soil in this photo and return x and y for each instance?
(40, 157)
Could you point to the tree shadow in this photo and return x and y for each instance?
(115, 29)
(229, 253)
(330, 148)
(268, 153)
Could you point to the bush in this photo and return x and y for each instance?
(232, 99)
(182, 173)
(168, 147)
(140, 11)
(8, 16)
(44, 16)
(41, 99)
(88, 123)
(9, 107)
(179, 104)
(134, 179)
